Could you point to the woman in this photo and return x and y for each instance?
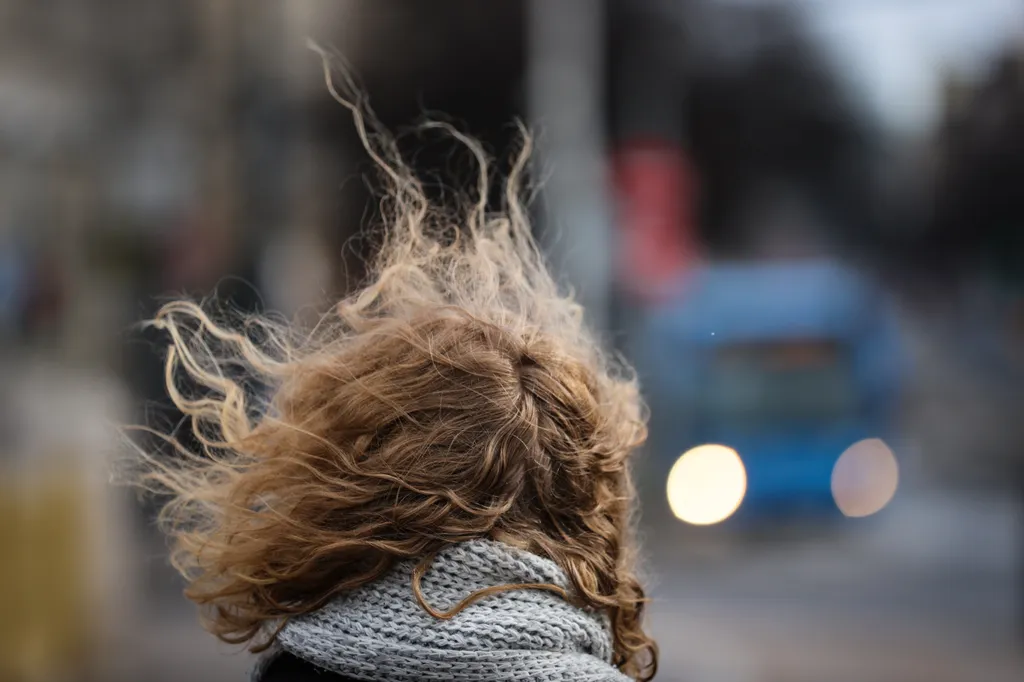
(437, 487)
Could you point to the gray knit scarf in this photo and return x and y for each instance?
(380, 633)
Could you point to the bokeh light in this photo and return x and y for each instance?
(865, 478)
(707, 485)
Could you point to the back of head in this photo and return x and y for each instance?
(458, 395)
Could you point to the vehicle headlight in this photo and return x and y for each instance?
(706, 485)
(865, 478)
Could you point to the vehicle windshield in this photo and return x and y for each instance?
(766, 385)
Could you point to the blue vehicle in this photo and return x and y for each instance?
(786, 365)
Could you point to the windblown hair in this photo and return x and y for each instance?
(458, 395)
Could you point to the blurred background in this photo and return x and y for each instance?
(801, 220)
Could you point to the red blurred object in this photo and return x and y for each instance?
(196, 255)
(656, 193)
(48, 295)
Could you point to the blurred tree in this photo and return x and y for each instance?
(977, 216)
(771, 111)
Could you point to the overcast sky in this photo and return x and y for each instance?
(894, 51)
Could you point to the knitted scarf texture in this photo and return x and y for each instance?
(380, 633)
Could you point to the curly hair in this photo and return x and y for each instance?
(457, 395)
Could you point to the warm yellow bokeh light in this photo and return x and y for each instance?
(706, 485)
(865, 478)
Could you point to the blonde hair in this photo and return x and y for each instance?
(458, 395)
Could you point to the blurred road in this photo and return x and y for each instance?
(927, 591)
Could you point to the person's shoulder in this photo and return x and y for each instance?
(289, 668)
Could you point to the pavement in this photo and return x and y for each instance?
(926, 591)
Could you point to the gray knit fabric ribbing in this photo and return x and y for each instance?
(379, 633)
